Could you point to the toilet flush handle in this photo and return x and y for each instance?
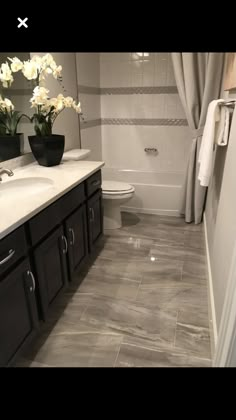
(150, 150)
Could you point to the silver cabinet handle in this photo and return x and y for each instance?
(150, 150)
(11, 252)
(91, 210)
(95, 183)
(72, 235)
(66, 245)
(29, 273)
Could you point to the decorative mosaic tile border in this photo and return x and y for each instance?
(145, 121)
(137, 90)
(17, 92)
(90, 90)
(90, 123)
(177, 122)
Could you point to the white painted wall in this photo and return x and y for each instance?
(88, 74)
(221, 220)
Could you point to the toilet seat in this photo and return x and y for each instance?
(114, 188)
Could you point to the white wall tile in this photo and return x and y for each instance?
(91, 139)
(123, 147)
(90, 105)
(88, 69)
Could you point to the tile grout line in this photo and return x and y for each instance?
(174, 345)
(114, 365)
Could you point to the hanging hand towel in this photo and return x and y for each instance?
(222, 126)
(208, 140)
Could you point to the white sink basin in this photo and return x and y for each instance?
(21, 186)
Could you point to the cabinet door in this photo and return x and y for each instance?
(95, 218)
(18, 312)
(76, 233)
(51, 270)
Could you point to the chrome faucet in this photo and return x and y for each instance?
(5, 171)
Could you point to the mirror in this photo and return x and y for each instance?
(19, 93)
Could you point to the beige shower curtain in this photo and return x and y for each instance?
(199, 79)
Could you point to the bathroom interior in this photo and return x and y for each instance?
(123, 253)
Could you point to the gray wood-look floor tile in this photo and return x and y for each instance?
(194, 269)
(156, 233)
(194, 240)
(133, 356)
(24, 363)
(133, 319)
(174, 298)
(141, 300)
(178, 252)
(195, 315)
(193, 338)
(159, 272)
(113, 286)
(120, 268)
(84, 346)
(179, 223)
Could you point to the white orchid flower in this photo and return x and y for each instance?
(30, 70)
(57, 72)
(6, 75)
(68, 102)
(40, 96)
(16, 64)
(77, 107)
(6, 104)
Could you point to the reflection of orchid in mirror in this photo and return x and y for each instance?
(37, 68)
(9, 118)
(47, 109)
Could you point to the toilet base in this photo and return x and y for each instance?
(112, 216)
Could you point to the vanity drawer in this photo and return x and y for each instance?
(52, 216)
(12, 248)
(41, 224)
(93, 183)
(72, 200)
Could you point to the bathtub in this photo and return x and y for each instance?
(155, 193)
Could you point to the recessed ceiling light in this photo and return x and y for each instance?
(143, 54)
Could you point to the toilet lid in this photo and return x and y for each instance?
(114, 186)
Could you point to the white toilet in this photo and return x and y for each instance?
(115, 194)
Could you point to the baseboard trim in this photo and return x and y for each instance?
(159, 212)
(213, 327)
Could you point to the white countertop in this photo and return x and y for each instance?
(16, 208)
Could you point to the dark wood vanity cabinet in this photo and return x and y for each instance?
(18, 312)
(39, 258)
(50, 268)
(76, 234)
(95, 218)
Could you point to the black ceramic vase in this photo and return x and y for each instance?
(10, 146)
(48, 150)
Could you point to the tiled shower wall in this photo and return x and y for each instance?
(140, 108)
(143, 110)
(88, 79)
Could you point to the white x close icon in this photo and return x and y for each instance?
(22, 22)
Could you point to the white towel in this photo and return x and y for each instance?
(76, 154)
(222, 126)
(208, 140)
